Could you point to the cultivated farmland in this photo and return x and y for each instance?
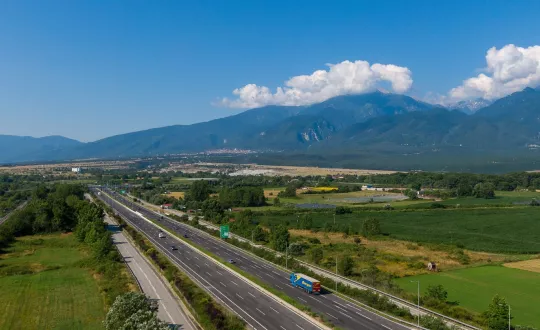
(475, 287)
(503, 230)
(43, 287)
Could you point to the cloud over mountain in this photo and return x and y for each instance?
(509, 69)
(340, 79)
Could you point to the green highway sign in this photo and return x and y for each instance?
(224, 231)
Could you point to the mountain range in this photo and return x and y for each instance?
(379, 121)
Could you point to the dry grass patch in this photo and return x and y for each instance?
(532, 265)
(443, 259)
(177, 194)
(272, 193)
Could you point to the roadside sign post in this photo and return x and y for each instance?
(224, 231)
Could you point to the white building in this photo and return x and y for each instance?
(76, 169)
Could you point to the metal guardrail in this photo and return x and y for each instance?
(365, 287)
(331, 275)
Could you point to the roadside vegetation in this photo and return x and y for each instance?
(209, 314)
(58, 262)
(380, 227)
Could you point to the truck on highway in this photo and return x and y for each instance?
(308, 284)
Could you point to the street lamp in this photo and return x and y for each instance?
(418, 305)
(336, 274)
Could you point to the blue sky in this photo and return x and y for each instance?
(91, 69)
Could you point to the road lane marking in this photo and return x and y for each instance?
(279, 287)
(197, 265)
(208, 274)
(302, 299)
(239, 296)
(299, 326)
(252, 295)
(273, 309)
(386, 327)
(234, 283)
(223, 284)
(220, 273)
(345, 315)
(260, 311)
(282, 327)
(332, 315)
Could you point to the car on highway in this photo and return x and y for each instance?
(173, 248)
(186, 236)
(161, 235)
(231, 261)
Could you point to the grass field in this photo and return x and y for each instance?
(43, 288)
(505, 230)
(475, 287)
(501, 197)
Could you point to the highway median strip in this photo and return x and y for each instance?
(278, 296)
(208, 313)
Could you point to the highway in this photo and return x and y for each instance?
(255, 306)
(337, 310)
(151, 283)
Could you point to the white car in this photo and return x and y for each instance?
(161, 235)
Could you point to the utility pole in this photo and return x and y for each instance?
(418, 305)
(286, 256)
(336, 268)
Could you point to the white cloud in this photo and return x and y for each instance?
(343, 78)
(509, 69)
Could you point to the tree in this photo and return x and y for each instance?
(198, 191)
(497, 314)
(371, 227)
(437, 292)
(290, 191)
(144, 320)
(484, 190)
(345, 266)
(343, 210)
(259, 234)
(280, 237)
(357, 240)
(277, 202)
(316, 255)
(125, 306)
(306, 222)
(412, 194)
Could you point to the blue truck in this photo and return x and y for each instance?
(308, 284)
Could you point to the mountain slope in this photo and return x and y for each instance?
(320, 121)
(26, 148)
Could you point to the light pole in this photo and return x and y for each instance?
(336, 274)
(418, 305)
(286, 256)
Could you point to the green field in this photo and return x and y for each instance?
(475, 287)
(507, 230)
(501, 198)
(42, 287)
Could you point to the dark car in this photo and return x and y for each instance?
(186, 236)
(173, 248)
(231, 261)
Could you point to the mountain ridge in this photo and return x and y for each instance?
(391, 122)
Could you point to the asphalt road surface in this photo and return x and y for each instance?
(258, 309)
(151, 282)
(337, 310)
